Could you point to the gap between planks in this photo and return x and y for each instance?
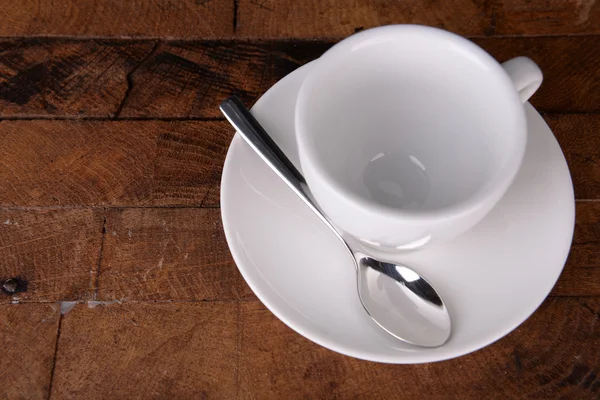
(108, 119)
(60, 318)
(99, 207)
(100, 303)
(191, 118)
(96, 272)
(261, 39)
(126, 207)
(235, 16)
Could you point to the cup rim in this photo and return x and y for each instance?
(502, 179)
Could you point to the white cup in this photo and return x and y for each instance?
(409, 135)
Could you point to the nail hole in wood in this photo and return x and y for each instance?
(14, 285)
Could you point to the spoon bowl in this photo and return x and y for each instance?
(399, 300)
(396, 297)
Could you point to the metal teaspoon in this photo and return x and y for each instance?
(398, 299)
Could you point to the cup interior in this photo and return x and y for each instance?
(410, 118)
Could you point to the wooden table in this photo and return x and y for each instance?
(111, 151)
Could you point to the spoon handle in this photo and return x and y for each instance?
(260, 141)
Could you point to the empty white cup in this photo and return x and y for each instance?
(409, 135)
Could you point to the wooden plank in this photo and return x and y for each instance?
(181, 254)
(27, 339)
(181, 351)
(191, 79)
(128, 163)
(131, 79)
(586, 238)
(545, 17)
(67, 78)
(156, 163)
(114, 18)
(168, 254)
(570, 67)
(555, 354)
(192, 19)
(175, 254)
(582, 271)
(186, 80)
(573, 280)
(50, 254)
(580, 142)
(340, 18)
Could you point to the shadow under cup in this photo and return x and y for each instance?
(409, 125)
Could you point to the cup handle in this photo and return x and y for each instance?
(525, 74)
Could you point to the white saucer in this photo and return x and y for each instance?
(492, 278)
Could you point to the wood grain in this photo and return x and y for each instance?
(570, 66)
(52, 253)
(554, 354)
(160, 351)
(147, 79)
(582, 271)
(580, 142)
(126, 163)
(158, 163)
(109, 191)
(543, 17)
(27, 338)
(168, 254)
(586, 238)
(201, 19)
(113, 18)
(191, 79)
(181, 254)
(175, 254)
(340, 18)
(67, 78)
